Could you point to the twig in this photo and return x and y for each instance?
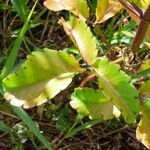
(114, 131)
(7, 114)
(118, 61)
(2, 135)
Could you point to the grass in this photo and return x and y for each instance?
(8, 66)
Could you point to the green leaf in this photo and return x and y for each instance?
(94, 104)
(41, 77)
(116, 86)
(83, 9)
(82, 37)
(143, 71)
(145, 65)
(32, 126)
(143, 129)
(78, 7)
(21, 8)
(106, 9)
(145, 88)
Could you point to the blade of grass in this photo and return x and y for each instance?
(20, 6)
(13, 55)
(3, 127)
(32, 126)
(82, 127)
(32, 140)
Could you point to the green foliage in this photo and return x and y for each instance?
(63, 124)
(82, 8)
(116, 87)
(143, 130)
(145, 65)
(141, 3)
(106, 9)
(92, 5)
(144, 70)
(92, 103)
(145, 88)
(40, 78)
(21, 8)
(19, 133)
(102, 6)
(86, 44)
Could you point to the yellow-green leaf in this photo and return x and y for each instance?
(143, 129)
(78, 7)
(143, 4)
(82, 9)
(145, 88)
(116, 86)
(145, 65)
(41, 77)
(102, 6)
(106, 9)
(144, 68)
(94, 104)
(82, 37)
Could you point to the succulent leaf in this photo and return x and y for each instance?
(78, 7)
(94, 104)
(116, 86)
(106, 9)
(41, 77)
(82, 37)
(145, 88)
(143, 129)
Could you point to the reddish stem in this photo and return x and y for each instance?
(133, 9)
(87, 79)
(142, 30)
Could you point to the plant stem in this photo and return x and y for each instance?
(134, 10)
(143, 26)
(142, 29)
(89, 78)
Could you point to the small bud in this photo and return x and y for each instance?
(125, 21)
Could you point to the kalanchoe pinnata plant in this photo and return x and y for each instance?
(45, 73)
